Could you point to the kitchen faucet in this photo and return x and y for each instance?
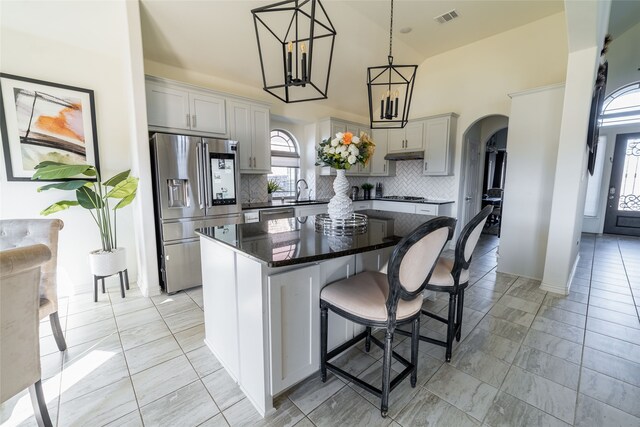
(299, 190)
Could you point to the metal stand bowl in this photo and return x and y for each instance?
(355, 224)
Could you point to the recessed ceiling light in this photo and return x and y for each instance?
(406, 30)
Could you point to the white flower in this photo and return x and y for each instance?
(326, 148)
(335, 142)
(339, 135)
(355, 140)
(352, 160)
(354, 150)
(342, 149)
(332, 150)
(344, 154)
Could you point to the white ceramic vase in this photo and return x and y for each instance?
(340, 206)
(104, 263)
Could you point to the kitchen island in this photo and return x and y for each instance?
(261, 289)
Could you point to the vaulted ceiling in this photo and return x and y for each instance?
(218, 37)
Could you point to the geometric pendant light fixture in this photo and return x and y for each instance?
(295, 44)
(390, 89)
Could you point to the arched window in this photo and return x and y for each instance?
(622, 107)
(285, 163)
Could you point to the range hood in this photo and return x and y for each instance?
(407, 155)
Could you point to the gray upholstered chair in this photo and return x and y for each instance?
(375, 299)
(20, 271)
(16, 233)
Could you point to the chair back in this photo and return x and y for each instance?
(19, 318)
(467, 242)
(16, 233)
(414, 259)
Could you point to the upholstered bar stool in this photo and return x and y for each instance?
(375, 299)
(452, 276)
(25, 232)
(19, 325)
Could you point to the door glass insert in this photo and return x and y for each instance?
(630, 186)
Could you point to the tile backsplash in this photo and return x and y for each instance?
(408, 181)
(253, 188)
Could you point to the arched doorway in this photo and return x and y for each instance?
(472, 172)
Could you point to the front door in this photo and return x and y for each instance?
(623, 199)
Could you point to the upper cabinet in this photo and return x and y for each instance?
(439, 143)
(182, 108)
(249, 125)
(172, 106)
(378, 165)
(409, 138)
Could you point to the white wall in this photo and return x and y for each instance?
(624, 59)
(475, 80)
(81, 44)
(534, 126)
(587, 25)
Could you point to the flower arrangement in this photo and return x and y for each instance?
(345, 150)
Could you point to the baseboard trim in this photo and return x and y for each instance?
(562, 290)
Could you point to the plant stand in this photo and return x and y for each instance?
(124, 282)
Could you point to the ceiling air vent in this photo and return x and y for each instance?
(449, 16)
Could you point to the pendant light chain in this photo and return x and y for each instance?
(391, 36)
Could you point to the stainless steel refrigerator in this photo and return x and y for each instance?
(196, 184)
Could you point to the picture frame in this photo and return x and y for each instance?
(45, 121)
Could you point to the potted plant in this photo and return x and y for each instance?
(272, 186)
(101, 199)
(366, 187)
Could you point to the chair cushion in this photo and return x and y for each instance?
(441, 275)
(365, 295)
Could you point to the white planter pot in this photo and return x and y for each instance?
(107, 263)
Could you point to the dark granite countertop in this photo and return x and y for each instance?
(280, 204)
(290, 241)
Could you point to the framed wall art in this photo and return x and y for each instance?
(43, 121)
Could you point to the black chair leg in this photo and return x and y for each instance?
(121, 284)
(459, 315)
(126, 278)
(386, 373)
(450, 325)
(57, 331)
(95, 288)
(323, 342)
(39, 404)
(103, 287)
(367, 342)
(415, 340)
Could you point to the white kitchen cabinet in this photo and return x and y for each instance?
(380, 166)
(171, 106)
(309, 210)
(386, 205)
(294, 325)
(439, 143)
(409, 138)
(340, 330)
(249, 125)
(360, 205)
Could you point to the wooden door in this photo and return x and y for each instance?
(623, 199)
(208, 113)
(413, 136)
(378, 163)
(436, 147)
(240, 130)
(167, 107)
(261, 136)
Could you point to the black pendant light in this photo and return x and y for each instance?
(295, 44)
(390, 88)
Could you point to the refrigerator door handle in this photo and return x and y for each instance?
(199, 173)
(207, 174)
